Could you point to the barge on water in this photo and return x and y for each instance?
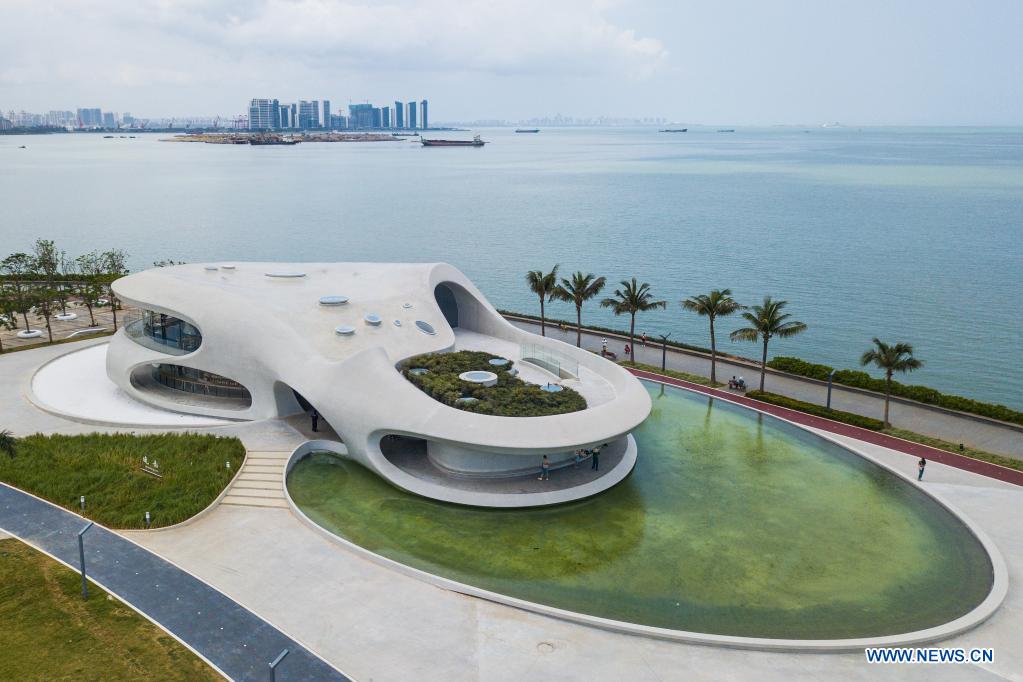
(474, 142)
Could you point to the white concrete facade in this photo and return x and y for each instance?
(263, 326)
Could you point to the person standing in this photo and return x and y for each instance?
(545, 469)
(595, 460)
(644, 338)
(603, 344)
(920, 467)
(316, 420)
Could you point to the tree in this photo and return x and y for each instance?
(8, 316)
(766, 322)
(43, 304)
(48, 261)
(630, 299)
(114, 267)
(717, 303)
(8, 443)
(19, 269)
(543, 285)
(578, 290)
(891, 358)
(90, 287)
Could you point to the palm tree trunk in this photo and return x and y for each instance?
(24, 316)
(713, 354)
(763, 365)
(543, 326)
(113, 307)
(632, 339)
(92, 319)
(578, 326)
(887, 396)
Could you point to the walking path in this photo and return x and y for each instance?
(980, 433)
(908, 447)
(229, 637)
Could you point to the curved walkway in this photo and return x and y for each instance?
(232, 639)
(907, 447)
(984, 434)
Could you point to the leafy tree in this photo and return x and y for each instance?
(114, 267)
(90, 286)
(8, 443)
(896, 357)
(48, 259)
(19, 269)
(767, 321)
(45, 306)
(543, 285)
(577, 290)
(629, 299)
(8, 315)
(717, 303)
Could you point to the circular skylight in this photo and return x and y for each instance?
(285, 274)
(344, 330)
(227, 266)
(406, 306)
(426, 327)
(397, 323)
(212, 267)
(333, 300)
(372, 318)
(499, 362)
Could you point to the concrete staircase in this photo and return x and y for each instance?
(261, 481)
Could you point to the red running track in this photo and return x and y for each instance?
(915, 450)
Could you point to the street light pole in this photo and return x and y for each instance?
(664, 349)
(81, 558)
(831, 376)
(276, 662)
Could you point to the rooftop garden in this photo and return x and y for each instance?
(437, 375)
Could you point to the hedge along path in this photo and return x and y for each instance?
(107, 470)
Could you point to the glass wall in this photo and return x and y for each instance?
(200, 382)
(550, 360)
(162, 332)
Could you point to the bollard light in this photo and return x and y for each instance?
(227, 465)
(147, 519)
(81, 501)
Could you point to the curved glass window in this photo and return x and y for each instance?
(191, 380)
(162, 332)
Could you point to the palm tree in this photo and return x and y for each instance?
(892, 358)
(632, 298)
(767, 321)
(578, 290)
(543, 285)
(8, 443)
(717, 303)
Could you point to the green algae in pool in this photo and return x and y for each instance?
(732, 523)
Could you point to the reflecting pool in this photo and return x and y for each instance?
(731, 523)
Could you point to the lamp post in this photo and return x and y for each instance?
(831, 376)
(81, 558)
(664, 349)
(276, 662)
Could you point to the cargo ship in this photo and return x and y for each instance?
(527, 130)
(675, 130)
(271, 140)
(474, 142)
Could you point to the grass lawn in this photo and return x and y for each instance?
(511, 397)
(50, 633)
(106, 468)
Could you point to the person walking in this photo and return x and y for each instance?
(545, 469)
(644, 338)
(316, 420)
(920, 467)
(603, 344)
(628, 351)
(595, 459)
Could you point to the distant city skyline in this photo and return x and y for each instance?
(875, 62)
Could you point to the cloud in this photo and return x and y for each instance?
(174, 42)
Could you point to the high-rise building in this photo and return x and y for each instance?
(326, 114)
(127, 119)
(426, 118)
(286, 116)
(90, 118)
(294, 115)
(385, 113)
(412, 115)
(264, 114)
(109, 120)
(308, 114)
(360, 116)
(399, 114)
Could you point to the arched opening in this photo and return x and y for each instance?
(448, 305)
(191, 386)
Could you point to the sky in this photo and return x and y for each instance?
(752, 62)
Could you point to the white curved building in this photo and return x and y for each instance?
(265, 340)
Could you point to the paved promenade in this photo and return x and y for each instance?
(983, 435)
(230, 637)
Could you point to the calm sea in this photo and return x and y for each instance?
(907, 234)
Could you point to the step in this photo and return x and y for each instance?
(261, 485)
(263, 468)
(266, 460)
(254, 492)
(256, 476)
(275, 503)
